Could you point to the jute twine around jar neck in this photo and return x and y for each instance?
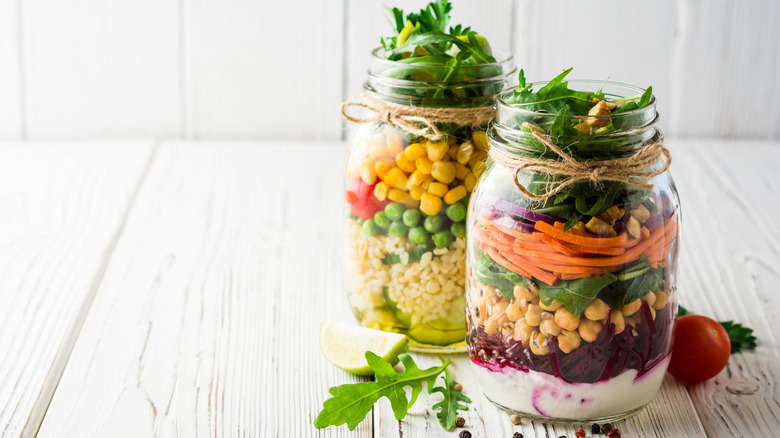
(622, 169)
(416, 120)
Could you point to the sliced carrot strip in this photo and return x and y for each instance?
(530, 267)
(556, 244)
(496, 256)
(598, 242)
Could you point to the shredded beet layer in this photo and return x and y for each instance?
(638, 348)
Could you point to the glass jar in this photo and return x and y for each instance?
(571, 299)
(408, 181)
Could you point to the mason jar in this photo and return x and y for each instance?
(572, 260)
(413, 162)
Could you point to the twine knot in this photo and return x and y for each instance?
(623, 170)
(415, 120)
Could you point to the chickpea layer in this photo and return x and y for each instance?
(525, 318)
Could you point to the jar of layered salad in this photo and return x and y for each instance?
(413, 162)
(572, 253)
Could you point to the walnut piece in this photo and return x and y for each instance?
(600, 109)
(612, 214)
(633, 227)
(583, 127)
(641, 213)
(598, 226)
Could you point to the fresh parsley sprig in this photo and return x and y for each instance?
(742, 338)
(350, 403)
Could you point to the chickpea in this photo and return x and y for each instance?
(652, 313)
(549, 328)
(633, 320)
(568, 341)
(491, 327)
(631, 308)
(534, 289)
(490, 296)
(590, 330)
(533, 316)
(523, 332)
(499, 308)
(513, 311)
(522, 293)
(597, 310)
(539, 344)
(650, 298)
(508, 329)
(617, 319)
(566, 320)
(661, 299)
(554, 305)
(480, 313)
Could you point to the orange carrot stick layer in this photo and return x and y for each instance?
(597, 242)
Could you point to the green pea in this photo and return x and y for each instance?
(381, 219)
(394, 210)
(397, 228)
(418, 235)
(370, 228)
(411, 217)
(433, 224)
(443, 239)
(456, 212)
(458, 229)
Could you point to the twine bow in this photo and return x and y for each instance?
(622, 169)
(419, 121)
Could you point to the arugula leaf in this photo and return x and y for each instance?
(353, 401)
(575, 295)
(490, 272)
(448, 408)
(741, 337)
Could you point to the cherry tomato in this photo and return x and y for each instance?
(361, 199)
(701, 348)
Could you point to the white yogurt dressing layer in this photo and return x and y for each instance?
(548, 396)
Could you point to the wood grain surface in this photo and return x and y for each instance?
(205, 322)
(62, 206)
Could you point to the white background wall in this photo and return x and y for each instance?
(279, 69)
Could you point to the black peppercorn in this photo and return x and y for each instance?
(595, 428)
(464, 434)
(518, 435)
(606, 427)
(460, 422)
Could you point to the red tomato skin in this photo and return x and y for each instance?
(361, 199)
(701, 348)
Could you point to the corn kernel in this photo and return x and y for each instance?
(464, 152)
(383, 165)
(436, 151)
(378, 150)
(461, 171)
(380, 191)
(414, 151)
(477, 168)
(424, 165)
(398, 195)
(480, 140)
(437, 189)
(411, 203)
(455, 195)
(416, 193)
(452, 152)
(415, 179)
(402, 162)
(395, 145)
(478, 156)
(430, 204)
(367, 173)
(396, 178)
(443, 171)
(470, 181)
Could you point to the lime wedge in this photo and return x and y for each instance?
(345, 346)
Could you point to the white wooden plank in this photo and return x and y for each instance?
(101, 68)
(206, 323)
(368, 21)
(63, 206)
(670, 414)
(10, 86)
(730, 258)
(629, 42)
(727, 60)
(263, 69)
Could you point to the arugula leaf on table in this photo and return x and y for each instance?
(448, 408)
(353, 401)
(575, 295)
(742, 338)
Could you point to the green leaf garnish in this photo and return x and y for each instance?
(449, 407)
(575, 295)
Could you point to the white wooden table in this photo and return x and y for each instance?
(175, 289)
